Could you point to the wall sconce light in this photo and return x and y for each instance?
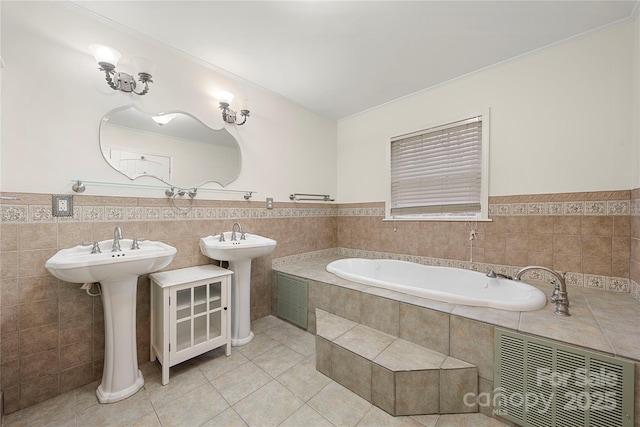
(108, 59)
(228, 114)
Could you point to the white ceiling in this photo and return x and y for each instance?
(339, 58)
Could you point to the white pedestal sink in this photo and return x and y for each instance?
(118, 274)
(239, 254)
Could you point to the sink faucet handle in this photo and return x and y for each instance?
(221, 239)
(243, 235)
(135, 245)
(95, 247)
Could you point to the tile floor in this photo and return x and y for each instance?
(272, 381)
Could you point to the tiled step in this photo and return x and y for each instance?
(396, 375)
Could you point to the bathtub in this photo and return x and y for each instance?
(452, 285)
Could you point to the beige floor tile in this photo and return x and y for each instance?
(258, 345)
(121, 413)
(57, 409)
(268, 406)
(467, 420)
(306, 416)
(277, 360)
(376, 417)
(149, 420)
(179, 384)
(213, 368)
(199, 390)
(426, 420)
(296, 339)
(261, 325)
(339, 405)
(285, 332)
(304, 380)
(227, 418)
(242, 381)
(193, 408)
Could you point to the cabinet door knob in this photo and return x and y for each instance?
(225, 308)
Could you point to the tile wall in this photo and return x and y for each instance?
(587, 235)
(51, 332)
(634, 262)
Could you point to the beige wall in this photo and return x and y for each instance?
(58, 98)
(561, 121)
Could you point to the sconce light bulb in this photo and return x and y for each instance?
(105, 55)
(244, 104)
(143, 65)
(225, 97)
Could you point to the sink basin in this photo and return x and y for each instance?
(253, 246)
(239, 254)
(79, 265)
(118, 274)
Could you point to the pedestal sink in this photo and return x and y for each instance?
(239, 254)
(118, 274)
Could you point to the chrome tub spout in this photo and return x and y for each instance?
(559, 295)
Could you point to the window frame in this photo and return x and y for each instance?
(483, 215)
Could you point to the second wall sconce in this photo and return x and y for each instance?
(228, 114)
(108, 59)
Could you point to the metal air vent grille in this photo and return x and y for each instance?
(292, 299)
(543, 383)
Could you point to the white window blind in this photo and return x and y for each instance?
(438, 171)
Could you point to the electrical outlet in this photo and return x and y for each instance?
(62, 205)
(269, 202)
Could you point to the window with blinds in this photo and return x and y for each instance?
(438, 172)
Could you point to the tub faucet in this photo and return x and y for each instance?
(117, 235)
(492, 274)
(233, 232)
(559, 295)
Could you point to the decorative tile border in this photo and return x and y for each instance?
(612, 284)
(43, 214)
(635, 290)
(378, 211)
(558, 208)
(635, 207)
(571, 208)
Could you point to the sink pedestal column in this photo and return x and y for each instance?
(121, 377)
(240, 302)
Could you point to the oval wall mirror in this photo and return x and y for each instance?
(174, 147)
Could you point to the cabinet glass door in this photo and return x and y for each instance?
(215, 310)
(199, 315)
(183, 319)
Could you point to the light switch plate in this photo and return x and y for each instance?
(62, 205)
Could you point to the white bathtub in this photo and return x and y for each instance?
(452, 285)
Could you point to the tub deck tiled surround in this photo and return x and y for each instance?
(395, 375)
(601, 321)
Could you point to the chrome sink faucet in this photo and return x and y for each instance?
(559, 295)
(233, 232)
(117, 235)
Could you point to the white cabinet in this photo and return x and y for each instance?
(189, 314)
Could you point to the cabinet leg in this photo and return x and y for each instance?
(165, 374)
(227, 351)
